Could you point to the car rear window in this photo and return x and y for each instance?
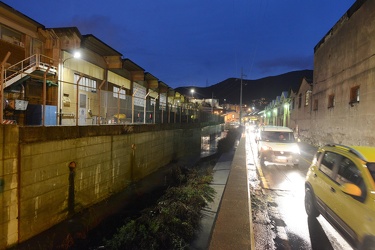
(276, 136)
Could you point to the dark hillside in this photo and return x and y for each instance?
(268, 88)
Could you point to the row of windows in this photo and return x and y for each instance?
(354, 98)
(85, 84)
(90, 85)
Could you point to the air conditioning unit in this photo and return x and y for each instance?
(18, 104)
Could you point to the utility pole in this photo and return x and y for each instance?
(242, 75)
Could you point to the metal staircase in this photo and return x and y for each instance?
(27, 66)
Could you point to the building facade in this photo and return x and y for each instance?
(337, 106)
(44, 84)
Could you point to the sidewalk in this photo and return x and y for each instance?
(227, 222)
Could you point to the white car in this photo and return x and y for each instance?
(276, 144)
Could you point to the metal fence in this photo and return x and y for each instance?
(84, 105)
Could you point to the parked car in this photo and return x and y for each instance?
(276, 144)
(340, 185)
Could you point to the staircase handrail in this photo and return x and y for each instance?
(35, 60)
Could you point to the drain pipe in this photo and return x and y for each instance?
(22, 91)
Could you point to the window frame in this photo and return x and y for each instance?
(331, 101)
(121, 94)
(11, 35)
(354, 94)
(315, 105)
(86, 84)
(307, 97)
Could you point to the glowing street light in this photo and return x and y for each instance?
(192, 93)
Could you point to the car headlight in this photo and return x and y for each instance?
(295, 149)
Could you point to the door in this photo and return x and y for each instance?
(350, 210)
(82, 111)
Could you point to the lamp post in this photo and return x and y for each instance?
(76, 55)
(192, 93)
(242, 75)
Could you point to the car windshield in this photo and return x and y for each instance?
(371, 168)
(273, 136)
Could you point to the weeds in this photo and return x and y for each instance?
(173, 221)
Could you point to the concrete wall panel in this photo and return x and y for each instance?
(106, 161)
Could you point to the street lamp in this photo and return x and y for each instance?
(76, 55)
(192, 93)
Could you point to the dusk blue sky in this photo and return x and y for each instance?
(199, 42)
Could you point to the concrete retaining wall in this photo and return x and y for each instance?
(50, 173)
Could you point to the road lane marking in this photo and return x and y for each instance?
(262, 178)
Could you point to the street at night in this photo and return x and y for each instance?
(280, 189)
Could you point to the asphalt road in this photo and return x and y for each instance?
(282, 223)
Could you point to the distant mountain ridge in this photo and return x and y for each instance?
(252, 90)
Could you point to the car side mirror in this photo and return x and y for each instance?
(351, 189)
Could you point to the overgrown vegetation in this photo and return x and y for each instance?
(173, 221)
(227, 143)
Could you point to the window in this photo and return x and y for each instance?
(328, 162)
(307, 97)
(315, 107)
(273, 136)
(293, 104)
(11, 36)
(331, 101)
(299, 100)
(349, 173)
(371, 168)
(354, 95)
(85, 84)
(119, 93)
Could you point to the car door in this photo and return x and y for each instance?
(324, 180)
(350, 211)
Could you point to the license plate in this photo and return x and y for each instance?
(281, 158)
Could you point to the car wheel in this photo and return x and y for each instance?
(310, 204)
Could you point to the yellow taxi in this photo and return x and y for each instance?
(340, 185)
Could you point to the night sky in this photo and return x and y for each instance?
(199, 42)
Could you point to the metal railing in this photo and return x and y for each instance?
(16, 71)
(80, 105)
(93, 107)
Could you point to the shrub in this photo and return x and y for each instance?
(173, 221)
